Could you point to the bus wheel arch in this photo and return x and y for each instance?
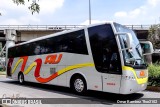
(21, 77)
(80, 80)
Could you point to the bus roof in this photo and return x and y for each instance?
(62, 32)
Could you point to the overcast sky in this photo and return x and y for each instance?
(75, 12)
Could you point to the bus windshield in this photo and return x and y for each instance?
(132, 57)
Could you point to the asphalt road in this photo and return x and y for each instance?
(12, 89)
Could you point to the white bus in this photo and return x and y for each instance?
(104, 57)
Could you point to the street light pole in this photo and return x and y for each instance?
(89, 12)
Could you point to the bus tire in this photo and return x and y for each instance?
(79, 85)
(21, 78)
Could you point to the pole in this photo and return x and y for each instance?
(89, 12)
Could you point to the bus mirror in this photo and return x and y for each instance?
(147, 47)
(128, 39)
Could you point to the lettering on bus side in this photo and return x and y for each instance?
(111, 84)
(53, 59)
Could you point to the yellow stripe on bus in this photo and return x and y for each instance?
(30, 68)
(74, 67)
(59, 72)
(14, 69)
(139, 80)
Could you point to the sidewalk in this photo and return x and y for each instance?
(2, 105)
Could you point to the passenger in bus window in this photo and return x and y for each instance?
(37, 50)
(106, 59)
(43, 50)
(47, 49)
(113, 64)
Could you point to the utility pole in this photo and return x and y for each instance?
(89, 12)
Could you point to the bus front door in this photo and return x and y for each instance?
(112, 73)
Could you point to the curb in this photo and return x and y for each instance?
(2, 73)
(2, 105)
(152, 88)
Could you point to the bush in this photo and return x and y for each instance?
(154, 70)
(154, 74)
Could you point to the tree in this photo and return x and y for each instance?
(34, 7)
(154, 35)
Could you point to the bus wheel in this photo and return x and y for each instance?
(21, 78)
(79, 85)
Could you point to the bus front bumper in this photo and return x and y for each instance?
(131, 86)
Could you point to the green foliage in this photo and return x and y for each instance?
(18, 2)
(154, 70)
(34, 7)
(154, 74)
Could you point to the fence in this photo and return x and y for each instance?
(62, 27)
(39, 27)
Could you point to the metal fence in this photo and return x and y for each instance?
(39, 27)
(139, 27)
(62, 27)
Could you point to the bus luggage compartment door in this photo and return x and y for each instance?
(111, 83)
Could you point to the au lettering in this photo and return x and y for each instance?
(53, 59)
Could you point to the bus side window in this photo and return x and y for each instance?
(104, 49)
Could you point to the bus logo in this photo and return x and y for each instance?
(53, 59)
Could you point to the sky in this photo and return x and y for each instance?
(76, 12)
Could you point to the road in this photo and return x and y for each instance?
(12, 89)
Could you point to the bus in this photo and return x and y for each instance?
(104, 57)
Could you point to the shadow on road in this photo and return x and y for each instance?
(92, 97)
